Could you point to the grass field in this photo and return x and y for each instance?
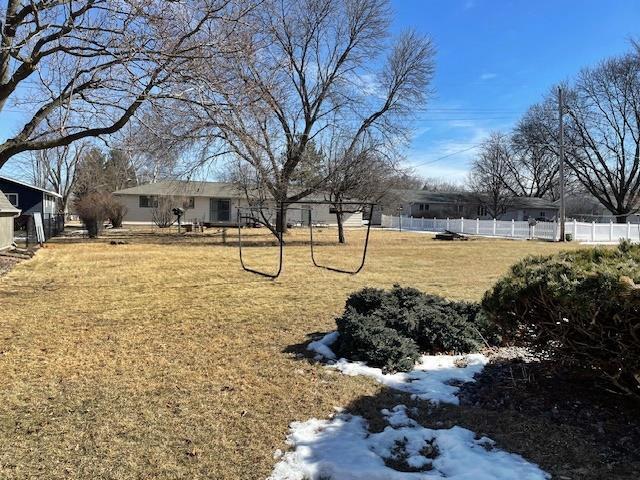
(163, 359)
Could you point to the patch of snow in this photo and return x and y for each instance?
(323, 346)
(430, 379)
(343, 448)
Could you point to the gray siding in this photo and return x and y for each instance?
(6, 230)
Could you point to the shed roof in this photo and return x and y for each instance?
(33, 187)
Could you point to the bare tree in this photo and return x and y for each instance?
(604, 130)
(364, 175)
(434, 184)
(305, 67)
(533, 163)
(155, 145)
(489, 172)
(55, 168)
(83, 68)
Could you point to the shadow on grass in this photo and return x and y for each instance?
(299, 350)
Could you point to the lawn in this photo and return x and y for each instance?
(163, 359)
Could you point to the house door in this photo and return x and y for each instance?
(219, 210)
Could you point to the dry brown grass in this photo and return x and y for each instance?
(163, 359)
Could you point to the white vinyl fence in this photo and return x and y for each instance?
(580, 231)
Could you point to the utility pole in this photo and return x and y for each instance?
(561, 166)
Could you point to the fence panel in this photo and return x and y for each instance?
(546, 231)
(618, 231)
(581, 231)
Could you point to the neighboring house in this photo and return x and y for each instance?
(7, 214)
(214, 203)
(423, 203)
(28, 198)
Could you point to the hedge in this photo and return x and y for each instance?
(579, 308)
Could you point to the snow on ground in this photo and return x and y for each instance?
(322, 347)
(343, 448)
(430, 379)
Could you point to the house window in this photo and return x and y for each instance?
(543, 214)
(482, 211)
(459, 208)
(219, 210)
(148, 201)
(424, 207)
(13, 198)
(189, 202)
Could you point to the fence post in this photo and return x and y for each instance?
(629, 230)
(611, 231)
(461, 224)
(513, 227)
(411, 222)
(448, 224)
(477, 226)
(593, 231)
(422, 224)
(533, 231)
(575, 230)
(494, 227)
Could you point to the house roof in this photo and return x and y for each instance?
(425, 196)
(6, 206)
(532, 202)
(33, 187)
(183, 188)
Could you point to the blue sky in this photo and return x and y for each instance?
(495, 58)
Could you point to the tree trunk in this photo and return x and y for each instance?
(339, 219)
(281, 221)
(621, 218)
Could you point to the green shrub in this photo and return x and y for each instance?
(376, 322)
(580, 307)
(366, 300)
(367, 338)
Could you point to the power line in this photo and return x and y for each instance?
(429, 162)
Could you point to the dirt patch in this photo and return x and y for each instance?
(6, 264)
(560, 420)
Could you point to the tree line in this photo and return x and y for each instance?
(601, 118)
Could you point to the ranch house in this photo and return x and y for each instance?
(212, 203)
(426, 204)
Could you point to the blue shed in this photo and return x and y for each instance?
(28, 198)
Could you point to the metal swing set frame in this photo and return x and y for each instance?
(283, 207)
